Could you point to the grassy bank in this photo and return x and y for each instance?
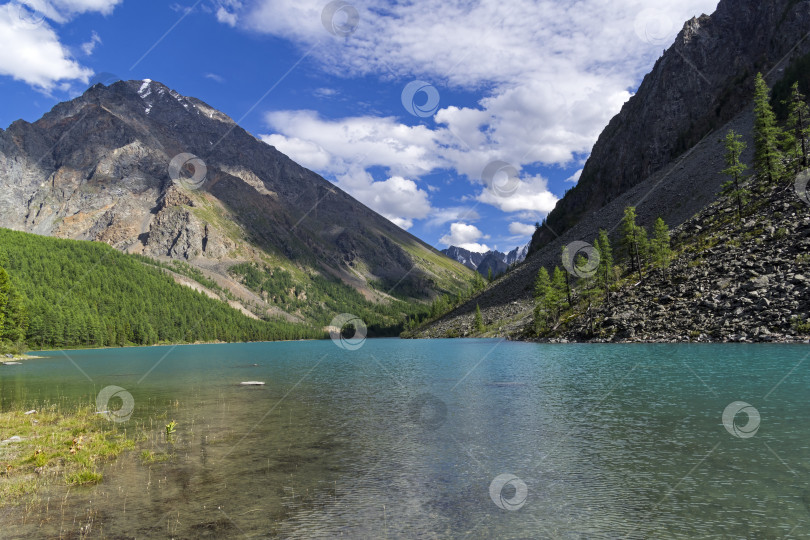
(56, 444)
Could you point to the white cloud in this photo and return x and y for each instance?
(531, 194)
(30, 49)
(521, 229)
(90, 46)
(397, 198)
(214, 77)
(556, 71)
(465, 236)
(325, 92)
(441, 216)
(574, 178)
(226, 17)
(33, 54)
(552, 74)
(363, 140)
(334, 147)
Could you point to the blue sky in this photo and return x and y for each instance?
(514, 93)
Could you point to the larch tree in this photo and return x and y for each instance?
(735, 168)
(605, 262)
(767, 135)
(661, 250)
(632, 239)
(797, 126)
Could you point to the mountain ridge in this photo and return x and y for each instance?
(680, 188)
(701, 82)
(98, 168)
(494, 260)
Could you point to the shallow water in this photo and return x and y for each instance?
(406, 439)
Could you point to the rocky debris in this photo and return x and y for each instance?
(677, 194)
(732, 282)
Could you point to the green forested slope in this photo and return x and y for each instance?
(64, 293)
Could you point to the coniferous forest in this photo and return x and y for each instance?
(58, 293)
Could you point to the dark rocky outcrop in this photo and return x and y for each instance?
(662, 153)
(700, 83)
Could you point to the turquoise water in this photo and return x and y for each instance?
(407, 439)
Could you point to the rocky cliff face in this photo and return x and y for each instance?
(100, 168)
(647, 157)
(701, 82)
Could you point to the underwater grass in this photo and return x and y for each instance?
(56, 444)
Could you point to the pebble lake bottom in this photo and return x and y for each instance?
(435, 439)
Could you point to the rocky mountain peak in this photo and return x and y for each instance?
(148, 170)
(700, 83)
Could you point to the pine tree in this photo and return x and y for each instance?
(797, 126)
(489, 275)
(767, 157)
(661, 250)
(735, 146)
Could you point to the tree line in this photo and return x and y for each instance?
(58, 293)
(780, 151)
(591, 276)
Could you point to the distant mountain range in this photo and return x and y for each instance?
(149, 171)
(496, 261)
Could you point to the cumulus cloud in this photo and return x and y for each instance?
(30, 49)
(335, 147)
(397, 198)
(552, 74)
(531, 194)
(574, 178)
(465, 236)
(90, 46)
(521, 229)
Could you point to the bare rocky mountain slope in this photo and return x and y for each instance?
(700, 83)
(663, 152)
(97, 168)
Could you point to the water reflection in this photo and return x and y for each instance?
(405, 439)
